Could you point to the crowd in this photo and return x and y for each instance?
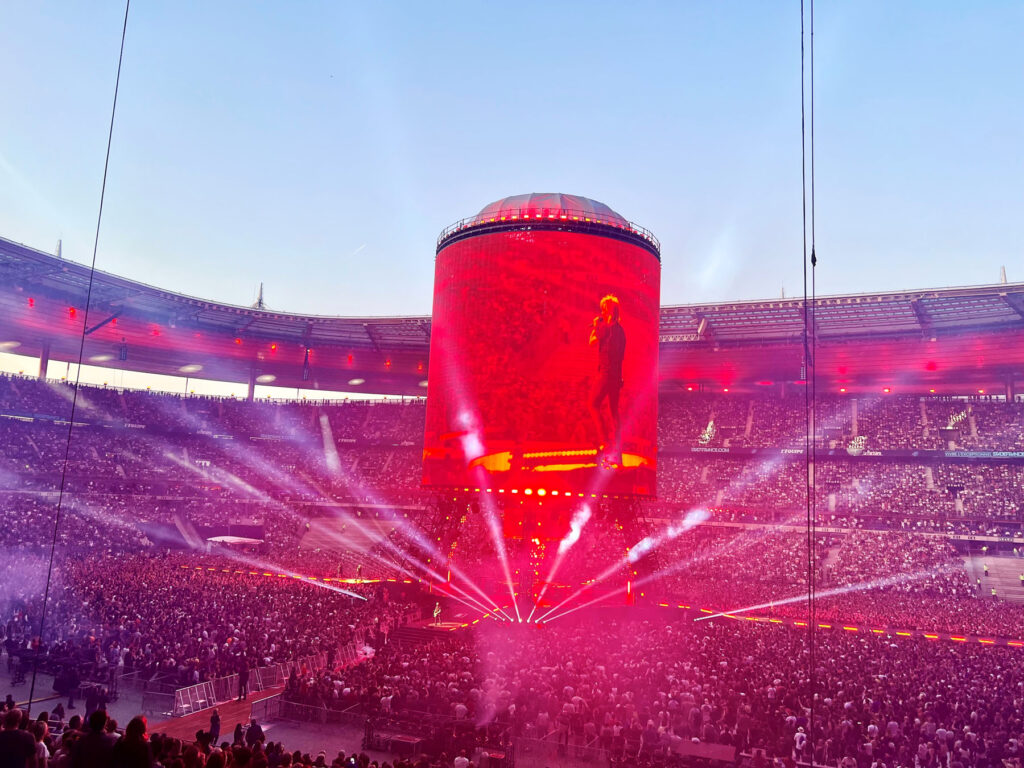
(144, 469)
(153, 455)
(881, 579)
(632, 690)
(943, 497)
(96, 741)
(184, 619)
(642, 688)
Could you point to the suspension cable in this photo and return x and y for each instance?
(78, 372)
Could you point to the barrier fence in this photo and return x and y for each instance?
(156, 703)
(266, 709)
(146, 682)
(539, 753)
(196, 698)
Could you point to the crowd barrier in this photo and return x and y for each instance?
(303, 713)
(540, 753)
(266, 709)
(157, 703)
(145, 682)
(196, 698)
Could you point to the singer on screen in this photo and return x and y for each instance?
(610, 339)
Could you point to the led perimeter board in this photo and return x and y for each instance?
(544, 352)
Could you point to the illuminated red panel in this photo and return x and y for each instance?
(513, 374)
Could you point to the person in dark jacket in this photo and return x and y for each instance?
(214, 726)
(133, 750)
(95, 749)
(243, 680)
(17, 747)
(254, 735)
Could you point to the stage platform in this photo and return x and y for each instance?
(423, 632)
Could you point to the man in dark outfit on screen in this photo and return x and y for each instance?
(609, 338)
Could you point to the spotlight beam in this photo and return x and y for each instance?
(900, 578)
(497, 537)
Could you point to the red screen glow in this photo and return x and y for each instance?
(515, 397)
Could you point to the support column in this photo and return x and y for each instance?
(44, 359)
(1011, 389)
(251, 395)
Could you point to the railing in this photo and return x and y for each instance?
(158, 703)
(304, 713)
(195, 698)
(266, 709)
(539, 753)
(553, 215)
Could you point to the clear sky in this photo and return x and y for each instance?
(320, 148)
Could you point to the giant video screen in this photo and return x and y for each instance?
(543, 365)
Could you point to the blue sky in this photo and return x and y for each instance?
(320, 148)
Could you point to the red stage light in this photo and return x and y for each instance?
(273, 347)
(72, 312)
(932, 391)
(31, 302)
(930, 365)
(886, 390)
(238, 341)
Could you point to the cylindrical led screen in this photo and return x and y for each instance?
(543, 363)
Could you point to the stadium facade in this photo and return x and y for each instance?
(948, 341)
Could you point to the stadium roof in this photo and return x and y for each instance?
(910, 339)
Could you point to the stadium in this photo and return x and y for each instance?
(337, 585)
(622, 388)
